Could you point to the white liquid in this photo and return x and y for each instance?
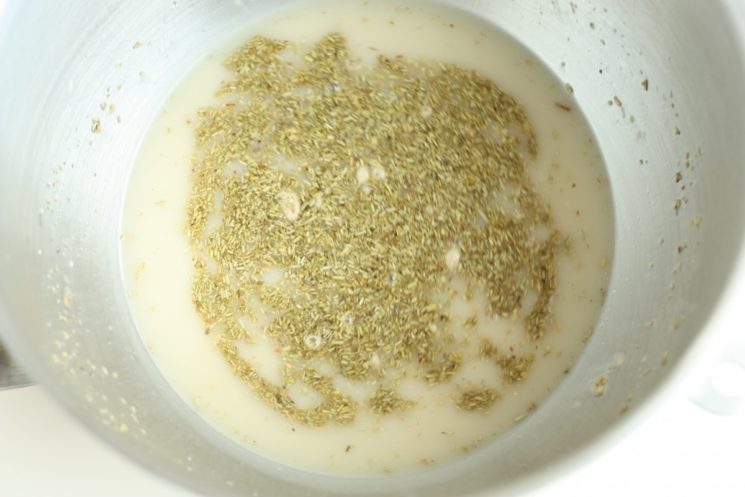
(158, 267)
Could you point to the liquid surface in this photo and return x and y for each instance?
(567, 173)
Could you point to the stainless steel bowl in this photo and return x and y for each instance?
(661, 82)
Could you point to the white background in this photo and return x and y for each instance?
(680, 450)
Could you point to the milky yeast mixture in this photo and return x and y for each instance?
(567, 173)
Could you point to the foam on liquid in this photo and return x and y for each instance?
(158, 268)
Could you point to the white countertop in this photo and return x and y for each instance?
(681, 450)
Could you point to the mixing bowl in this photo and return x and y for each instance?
(661, 83)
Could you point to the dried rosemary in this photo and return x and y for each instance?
(364, 190)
